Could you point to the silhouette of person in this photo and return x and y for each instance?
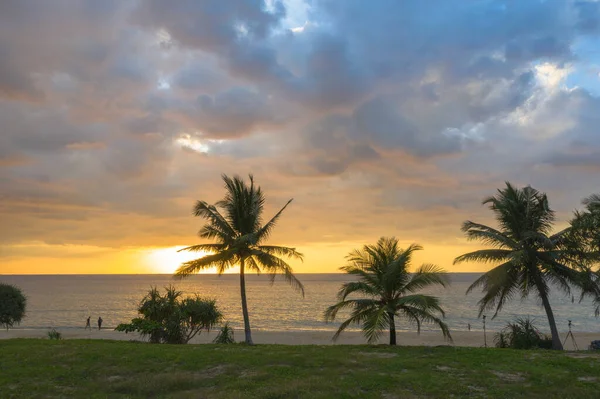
(99, 323)
(87, 323)
(469, 326)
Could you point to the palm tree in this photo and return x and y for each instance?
(240, 235)
(586, 226)
(389, 290)
(583, 244)
(530, 258)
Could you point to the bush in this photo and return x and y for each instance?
(522, 334)
(54, 335)
(12, 305)
(225, 335)
(170, 319)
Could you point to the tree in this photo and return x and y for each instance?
(240, 236)
(12, 305)
(389, 291)
(521, 334)
(530, 258)
(583, 245)
(169, 318)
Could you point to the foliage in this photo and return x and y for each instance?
(583, 245)
(12, 305)
(240, 235)
(522, 334)
(169, 318)
(389, 291)
(33, 368)
(225, 335)
(54, 335)
(530, 259)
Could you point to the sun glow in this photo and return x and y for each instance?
(167, 260)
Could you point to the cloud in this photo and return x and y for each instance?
(117, 115)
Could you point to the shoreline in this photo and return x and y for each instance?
(295, 337)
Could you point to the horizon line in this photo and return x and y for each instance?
(168, 274)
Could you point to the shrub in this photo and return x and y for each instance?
(225, 335)
(54, 335)
(522, 334)
(169, 318)
(12, 305)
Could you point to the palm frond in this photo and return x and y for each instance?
(499, 286)
(374, 323)
(275, 265)
(243, 204)
(426, 276)
(485, 256)
(396, 274)
(487, 235)
(265, 231)
(212, 232)
(364, 275)
(427, 303)
(361, 287)
(204, 248)
(221, 261)
(426, 316)
(210, 212)
(291, 253)
(331, 312)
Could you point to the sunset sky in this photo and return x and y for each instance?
(377, 117)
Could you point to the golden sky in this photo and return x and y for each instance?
(117, 116)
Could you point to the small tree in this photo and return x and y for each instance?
(12, 305)
(170, 319)
(388, 290)
(225, 335)
(522, 334)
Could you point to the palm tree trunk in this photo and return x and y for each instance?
(556, 344)
(392, 329)
(247, 330)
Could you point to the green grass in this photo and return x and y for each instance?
(110, 369)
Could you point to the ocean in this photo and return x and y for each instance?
(65, 301)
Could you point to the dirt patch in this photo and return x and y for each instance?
(443, 368)
(381, 355)
(475, 388)
(509, 377)
(250, 374)
(576, 355)
(587, 379)
(213, 372)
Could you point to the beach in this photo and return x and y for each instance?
(427, 338)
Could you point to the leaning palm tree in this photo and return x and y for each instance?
(530, 258)
(240, 236)
(388, 291)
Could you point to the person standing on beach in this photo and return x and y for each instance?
(87, 323)
(99, 323)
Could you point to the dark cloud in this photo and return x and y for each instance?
(233, 113)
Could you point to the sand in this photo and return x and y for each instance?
(428, 338)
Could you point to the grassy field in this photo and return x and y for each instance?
(110, 369)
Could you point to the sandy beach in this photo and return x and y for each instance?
(428, 338)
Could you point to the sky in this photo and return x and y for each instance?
(378, 117)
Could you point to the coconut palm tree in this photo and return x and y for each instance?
(530, 260)
(583, 244)
(240, 237)
(585, 226)
(388, 291)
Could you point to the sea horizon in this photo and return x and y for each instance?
(66, 300)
